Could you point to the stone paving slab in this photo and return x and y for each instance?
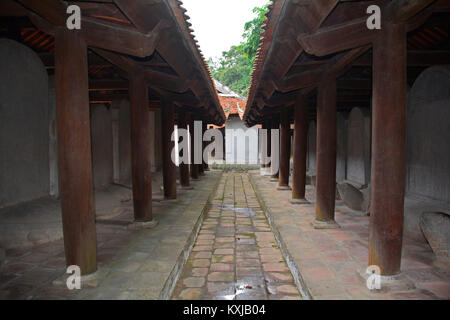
(327, 263)
(132, 264)
(236, 256)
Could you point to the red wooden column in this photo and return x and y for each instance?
(326, 154)
(269, 145)
(264, 153)
(184, 167)
(299, 163)
(388, 149)
(140, 148)
(74, 151)
(193, 167)
(274, 172)
(285, 150)
(169, 167)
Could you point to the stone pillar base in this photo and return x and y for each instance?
(299, 201)
(398, 282)
(137, 225)
(284, 188)
(325, 224)
(90, 281)
(169, 201)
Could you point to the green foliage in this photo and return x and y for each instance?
(234, 68)
(252, 33)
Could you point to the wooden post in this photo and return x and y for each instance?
(194, 167)
(184, 167)
(74, 151)
(269, 145)
(169, 167)
(299, 165)
(274, 172)
(326, 154)
(285, 150)
(140, 148)
(224, 156)
(388, 149)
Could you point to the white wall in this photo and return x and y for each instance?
(241, 143)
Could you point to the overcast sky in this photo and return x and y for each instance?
(219, 24)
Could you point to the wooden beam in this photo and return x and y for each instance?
(9, 8)
(354, 33)
(108, 85)
(343, 62)
(300, 81)
(338, 38)
(165, 81)
(53, 11)
(118, 60)
(134, 11)
(181, 99)
(399, 11)
(416, 58)
(122, 40)
(96, 33)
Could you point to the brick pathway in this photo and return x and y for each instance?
(236, 255)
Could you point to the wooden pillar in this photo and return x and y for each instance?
(74, 151)
(224, 156)
(299, 163)
(274, 172)
(388, 149)
(184, 167)
(269, 145)
(169, 167)
(193, 167)
(285, 150)
(326, 154)
(264, 153)
(140, 148)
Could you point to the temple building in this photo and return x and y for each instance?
(241, 142)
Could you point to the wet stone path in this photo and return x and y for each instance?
(236, 256)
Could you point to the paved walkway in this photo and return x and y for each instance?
(236, 256)
(330, 261)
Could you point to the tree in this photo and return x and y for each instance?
(252, 33)
(234, 68)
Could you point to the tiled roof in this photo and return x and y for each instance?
(195, 46)
(264, 45)
(232, 106)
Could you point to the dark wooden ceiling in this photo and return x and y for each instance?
(304, 40)
(150, 36)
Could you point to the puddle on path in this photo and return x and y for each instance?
(249, 212)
